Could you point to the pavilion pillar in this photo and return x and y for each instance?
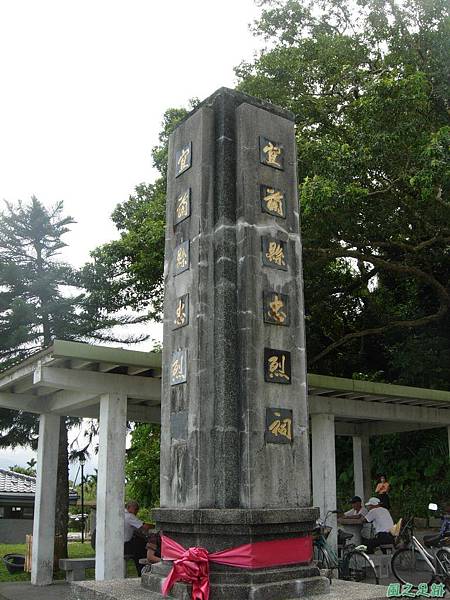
(324, 470)
(110, 487)
(448, 436)
(362, 466)
(45, 501)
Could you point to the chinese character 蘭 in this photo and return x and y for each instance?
(393, 590)
(182, 206)
(273, 201)
(281, 427)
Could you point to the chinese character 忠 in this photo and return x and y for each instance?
(276, 367)
(182, 208)
(180, 313)
(281, 427)
(275, 254)
(275, 311)
(273, 152)
(274, 201)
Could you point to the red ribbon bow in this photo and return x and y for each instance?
(192, 565)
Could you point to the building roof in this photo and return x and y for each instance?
(16, 483)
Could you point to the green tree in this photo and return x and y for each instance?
(142, 465)
(41, 298)
(368, 86)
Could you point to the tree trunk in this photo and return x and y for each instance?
(62, 495)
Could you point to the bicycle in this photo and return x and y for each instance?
(413, 564)
(354, 565)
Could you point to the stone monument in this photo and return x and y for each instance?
(234, 422)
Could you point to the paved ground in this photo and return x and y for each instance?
(24, 591)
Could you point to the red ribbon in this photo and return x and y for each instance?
(192, 565)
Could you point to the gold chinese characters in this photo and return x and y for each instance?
(279, 428)
(183, 159)
(183, 206)
(178, 367)
(272, 201)
(274, 253)
(271, 153)
(277, 366)
(181, 258)
(181, 312)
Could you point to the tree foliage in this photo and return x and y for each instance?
(142, 465)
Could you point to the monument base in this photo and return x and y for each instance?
(220, 529)
(131, 589)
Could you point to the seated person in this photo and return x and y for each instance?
(154, 548)
(382, 522)
(135, 534)
(433, 539)
(357, 509)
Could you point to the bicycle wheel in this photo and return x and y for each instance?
(409, 566)
(323, 560)
(443, 565)
(357, 566)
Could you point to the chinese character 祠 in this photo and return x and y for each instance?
(274, 201)
(275, 311)
(275, 254)
(182, 207)
(180, 313)
(281, 427)
(276, 367)
(272, 153)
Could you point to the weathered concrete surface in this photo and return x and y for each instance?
(21, 590)
(131, 590)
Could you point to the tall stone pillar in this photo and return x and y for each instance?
(234, 439)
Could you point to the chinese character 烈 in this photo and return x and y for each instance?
(277, 367)
(281, 427)
(275, 254)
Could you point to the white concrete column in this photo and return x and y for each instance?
(324, 470)
(110, 487)
(448, 435)
(45, 500)
(358, 474)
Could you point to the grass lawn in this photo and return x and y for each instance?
(76, 550)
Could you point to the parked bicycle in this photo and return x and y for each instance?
(412, 563)
(353, 565)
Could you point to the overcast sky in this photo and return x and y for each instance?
(84, 86)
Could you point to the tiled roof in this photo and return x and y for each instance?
(16, 483)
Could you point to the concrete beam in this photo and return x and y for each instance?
(353, 409)
(111, 487)
(347, 429)
(145, 388)
(386, 427)
(45, 501)
(25, 402)
(65, 401)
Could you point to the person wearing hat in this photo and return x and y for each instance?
(357, 510)
(381, 521)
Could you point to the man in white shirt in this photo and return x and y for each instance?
(357, 510)
(135, 534)
(382, 522)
